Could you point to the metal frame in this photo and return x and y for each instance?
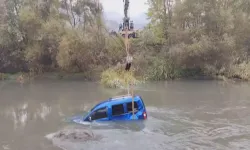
(121, 96)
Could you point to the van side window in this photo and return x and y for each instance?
(117, 110)
(129, 106)
(99, 114)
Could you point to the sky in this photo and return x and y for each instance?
(136, 7)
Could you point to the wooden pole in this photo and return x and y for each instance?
(132, 91)
(126, 41)
(128, 89)
(127, 51)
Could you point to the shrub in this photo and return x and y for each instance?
(115, 78)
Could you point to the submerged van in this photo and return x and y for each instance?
(118, 108)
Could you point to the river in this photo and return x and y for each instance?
(182, 115)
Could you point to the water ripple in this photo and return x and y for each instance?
(169, 129)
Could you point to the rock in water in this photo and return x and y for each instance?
(74, 135)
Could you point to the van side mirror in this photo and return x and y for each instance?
(90, 118)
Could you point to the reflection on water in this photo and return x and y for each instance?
(43, 111)
(22, 114)
(18, 115)
(181, 115)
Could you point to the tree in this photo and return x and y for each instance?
(160, 13)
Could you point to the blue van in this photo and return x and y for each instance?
(118, 108)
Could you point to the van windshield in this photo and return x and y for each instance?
(94, 107)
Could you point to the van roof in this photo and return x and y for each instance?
(116, 100)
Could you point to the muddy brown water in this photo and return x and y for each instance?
(182, 115)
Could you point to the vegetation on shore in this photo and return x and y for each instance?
(184, 39)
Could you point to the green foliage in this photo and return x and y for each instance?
(202, 38)
(29, 22)
(37, 35)
(3, 76)
(71, 52)
(114, 78)
(161, 68)
(33, 56)
(240, 71)
(183, 39)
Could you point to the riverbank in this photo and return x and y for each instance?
(50, 76)
(110, 81)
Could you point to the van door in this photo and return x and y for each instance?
(129, 109)
(100, 114)
(118, 112)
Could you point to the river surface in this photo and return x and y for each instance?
(182, 115)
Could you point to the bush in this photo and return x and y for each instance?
(75, 53)
(118, 78)
(3, 76)
(240, 71)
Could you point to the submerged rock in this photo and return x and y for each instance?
(74, 135)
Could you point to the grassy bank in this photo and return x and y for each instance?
(109, 78)
(48, 75)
